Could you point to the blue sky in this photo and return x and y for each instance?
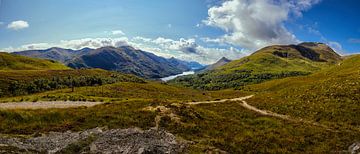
(201, 30)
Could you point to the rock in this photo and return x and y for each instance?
(354, 148)
(97, 140)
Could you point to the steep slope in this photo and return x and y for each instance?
(273, 62)
(17, 62)
(185, 64)
(128, 60)
(218, 64)
(56, 54)
(330, 96)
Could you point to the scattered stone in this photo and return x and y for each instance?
(354, 148)
(132, 140)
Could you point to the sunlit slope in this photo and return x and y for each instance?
(273, 62)
(16, 62)
(225, 126)
(329, 96)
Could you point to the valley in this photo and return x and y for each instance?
(281, 99)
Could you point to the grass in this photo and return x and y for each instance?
(231, 128)
(115, 115)
(123, 91)
(31, 81)
(329, 97)
(225, 126)
(259, 67)
(17, 62)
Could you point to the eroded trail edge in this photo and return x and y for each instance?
(47, 104)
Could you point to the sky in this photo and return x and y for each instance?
(198, 30)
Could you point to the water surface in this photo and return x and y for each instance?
(174, 76)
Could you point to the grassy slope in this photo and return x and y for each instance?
(225, 126)
(125, 91)
(127, 99)
(330, 96)
(28, 77)
(334, 99)
(16, 62)
(258, 67)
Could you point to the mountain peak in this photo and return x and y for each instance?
(313, 51)
(224, 59)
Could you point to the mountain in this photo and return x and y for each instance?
(17, 62)
(330, 96)
(219, 63)
(185, 64)
(308, 50)
(123, 59)
(126, 59)
(272, 62)
(57, 54)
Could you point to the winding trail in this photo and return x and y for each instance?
(263, 112)
(245, 105)
(220, 101)
(47, 104)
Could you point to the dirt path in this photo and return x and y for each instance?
(245, 105)
(220, 101)
(263, 112)
(47, 104)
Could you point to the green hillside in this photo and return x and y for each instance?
(214, 127)
(330, 96)
(16, 62)
(22, 82)
(273, 62)
(323, 107)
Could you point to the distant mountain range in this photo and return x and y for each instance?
(124, 59)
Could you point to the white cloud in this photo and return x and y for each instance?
(335, 46)
(17, 25)
(185, 49)
(188, 49)
(169, 25)
(139, 38)
(74, 44)
(256, 23)
(117, 32)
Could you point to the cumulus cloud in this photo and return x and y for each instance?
(188, 49)
(117, 32)
(74, 44)
(336, 46)
(184, 45)
(256, 23)
(185, 49)
(17, 25)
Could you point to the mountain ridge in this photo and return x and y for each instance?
(124, 59)
(222, 61)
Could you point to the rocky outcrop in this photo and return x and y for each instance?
(97, 140)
